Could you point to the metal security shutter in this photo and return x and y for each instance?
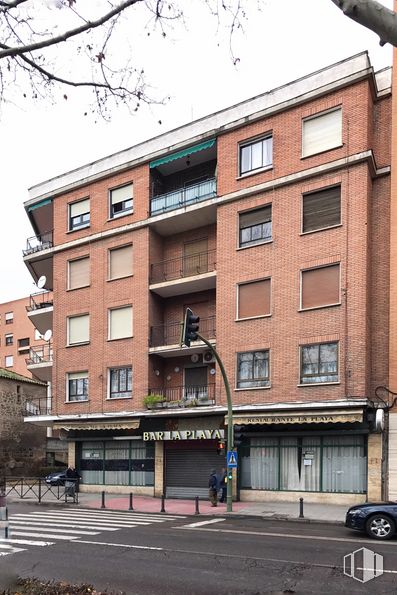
(187, 472)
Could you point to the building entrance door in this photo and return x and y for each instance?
(196, 383)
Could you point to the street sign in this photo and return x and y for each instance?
(232, 459)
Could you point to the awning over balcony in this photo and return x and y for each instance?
(296, 417)
(183, 153)
(79, 425)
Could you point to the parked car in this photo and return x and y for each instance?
(378, 520)
(56, 479)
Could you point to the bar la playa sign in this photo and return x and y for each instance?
(185, 435)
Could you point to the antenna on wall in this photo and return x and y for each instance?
(47, 335)
(41, 281)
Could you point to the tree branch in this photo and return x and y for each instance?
(374, 16)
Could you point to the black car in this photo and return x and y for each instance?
(57, 478)
(379, 521)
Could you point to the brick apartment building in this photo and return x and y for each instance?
(270, 220)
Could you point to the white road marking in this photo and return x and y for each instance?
(54, 519)
(61, 523)
(27, 542)
(125, 545)
(14, 550)
(45, 535)
(120, 514)
(155, 518)
(201, 523)
(28, 527)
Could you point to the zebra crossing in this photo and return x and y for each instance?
(46, 528)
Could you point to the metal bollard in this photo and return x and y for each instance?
(103, 500)
(197, 505)
(301, 516)
(131, 506)
(162, 503)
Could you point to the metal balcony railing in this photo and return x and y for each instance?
(40, 354)
(186, 395)
(183, 197)
(38, 243)
(169, 334)
(37, 301)
(38, 406)
(184, 266)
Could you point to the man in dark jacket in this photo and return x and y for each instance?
(213, 486)
(223, 485)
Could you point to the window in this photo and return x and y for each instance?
(320, 287)
(255, 227)
(321, 209)
(120, 322)
(9, 317)
(79, 214)
(254, 299)
(253, 369)
(77, 386)
(9, 361)
(78, 329)
(23, 344)
(121, 201)
(120, 383)
(78, 273)
(256, 155)
(120, 262)
(9, 339)
(319, 363)
(321, 132)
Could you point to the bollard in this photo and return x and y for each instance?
(103, 500)
(197, 505)
(162, 503)
(131, 506)
(301, 516)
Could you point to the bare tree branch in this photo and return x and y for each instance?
(374, 16)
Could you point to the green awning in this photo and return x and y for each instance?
(42, 203)
(184, 153)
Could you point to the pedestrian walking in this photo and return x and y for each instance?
(223, 485)
(213, 486)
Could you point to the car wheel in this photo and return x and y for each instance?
(380, 526)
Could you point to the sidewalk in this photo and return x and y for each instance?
(331, 513)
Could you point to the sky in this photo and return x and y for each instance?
(192, 65)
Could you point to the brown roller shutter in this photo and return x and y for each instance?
(320, 287)
(321, 209)
(254, 299)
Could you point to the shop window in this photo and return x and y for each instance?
(120, 323)
(78, 273)
(321, 209)
(79, 214)
(253, 369)
(120, 383)
(78, 329)
(256, 155)
(320, 287)
(9, 339)
(121, 201)
(255, 227)
(9, 317)
(253, 299)
(77, 386)
(322, 132)
(120, 262)
(319, 363)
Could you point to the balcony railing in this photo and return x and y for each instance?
(40, 354)
(184, 266)
(183, 197)
(37, 301)
(185, 395)
(38, 243)
(38, 406)
(169, 334)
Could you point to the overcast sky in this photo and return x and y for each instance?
(290, 38)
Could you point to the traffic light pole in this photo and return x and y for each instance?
(229, 497)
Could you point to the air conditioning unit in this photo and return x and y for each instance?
(208, 357)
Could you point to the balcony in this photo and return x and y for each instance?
(185, 396)
(40, 361)
(39, 243)
(38, 406)
(186, 274)
(168, 335)
(40, 310)
(183, 197)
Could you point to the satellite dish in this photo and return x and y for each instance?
(47, 335)
(41, 281)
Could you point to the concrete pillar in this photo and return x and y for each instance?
(71, 454)
(375, 456)
(159, 486)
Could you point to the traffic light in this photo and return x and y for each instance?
(220, 448)
(190, 328)
(238, 435)
(230, 475)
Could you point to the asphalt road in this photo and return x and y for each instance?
(189, 555)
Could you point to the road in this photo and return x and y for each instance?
(160, 554)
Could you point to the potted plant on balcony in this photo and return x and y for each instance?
(154, 401)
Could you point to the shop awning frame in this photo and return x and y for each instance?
(183, 153)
